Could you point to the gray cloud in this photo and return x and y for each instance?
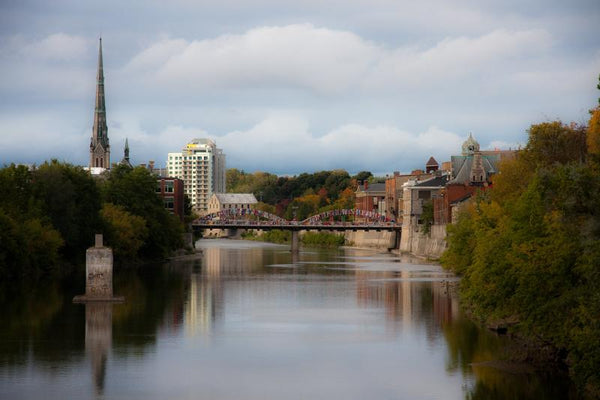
(358, 84)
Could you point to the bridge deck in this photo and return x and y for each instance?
(298, 227)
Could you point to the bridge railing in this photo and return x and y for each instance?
(237, 216)
(245, 222)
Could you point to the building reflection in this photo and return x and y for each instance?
(98, 340)
(206, 291)
(407, 300)
(204, 300)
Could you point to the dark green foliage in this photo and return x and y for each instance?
(532, 255)
(28, 247)
(427, 216)
(134, 190)
(363, 176)
(70, 197)
(49, 215)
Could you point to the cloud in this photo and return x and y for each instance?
(327, 61)
(34, 137)
(283, 143)
(57, 47)
(52, 67)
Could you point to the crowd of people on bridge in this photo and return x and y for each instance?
(328, 217)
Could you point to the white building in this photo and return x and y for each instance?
(201, 167)
(227, 201)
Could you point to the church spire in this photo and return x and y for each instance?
(125, 160)
(99, 145)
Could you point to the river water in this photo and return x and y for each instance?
(243, 320)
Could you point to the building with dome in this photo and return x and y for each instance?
(473, 167)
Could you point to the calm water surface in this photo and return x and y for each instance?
(244, 320)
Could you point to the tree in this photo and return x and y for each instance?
(554, 142)
(593, 133)
(70, 198)
(125, 232)
(362, 176)
(529, 250)
(134, 189)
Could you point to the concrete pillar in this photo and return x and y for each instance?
(98, 273)
(395, 240)
(295, 242)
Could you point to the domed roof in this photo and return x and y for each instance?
(470, 146)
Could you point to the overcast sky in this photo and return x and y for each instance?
(288, 86)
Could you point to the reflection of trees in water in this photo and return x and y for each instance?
(494, 384)
(154, 301)
(477, 352)
(36, 325)
(421, 304)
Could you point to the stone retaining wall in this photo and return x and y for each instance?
(423, 245)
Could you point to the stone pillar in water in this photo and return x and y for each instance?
(98, 274)
(98, 270)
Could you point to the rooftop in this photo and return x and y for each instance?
(236, 198)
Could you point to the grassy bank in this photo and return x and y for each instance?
(273, 236)
(322, 239)
(314, 239)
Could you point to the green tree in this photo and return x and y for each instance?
(362, 176)
(528, 252)
(70, 198)
(126, 233)
(134, 189)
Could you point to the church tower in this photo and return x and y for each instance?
(99, 147)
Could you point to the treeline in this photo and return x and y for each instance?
(298, 196)
(528, 249)
(314, 239)
(49, 215)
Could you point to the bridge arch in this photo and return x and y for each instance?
(230, 213)
(371, 216)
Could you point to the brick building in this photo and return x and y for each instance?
(170, 191)
(371, 197)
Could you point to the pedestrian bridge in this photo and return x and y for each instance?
(260, 220)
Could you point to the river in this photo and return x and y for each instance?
(243, 320)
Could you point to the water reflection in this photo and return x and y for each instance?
(203, 304)
(98, 339)
(230, 322)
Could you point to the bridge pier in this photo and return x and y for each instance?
(396, 235)
(295, 242)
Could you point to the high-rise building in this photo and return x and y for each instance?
(201, 166)
(99, 146)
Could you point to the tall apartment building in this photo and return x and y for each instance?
(201, 167)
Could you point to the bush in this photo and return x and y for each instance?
(323, 239)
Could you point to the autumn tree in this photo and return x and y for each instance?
(125, 232)
(529, 248)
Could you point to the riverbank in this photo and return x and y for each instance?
(383, 240)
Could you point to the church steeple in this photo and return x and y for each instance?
(125, 160)
(99, 145)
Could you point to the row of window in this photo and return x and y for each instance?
(188, 157)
